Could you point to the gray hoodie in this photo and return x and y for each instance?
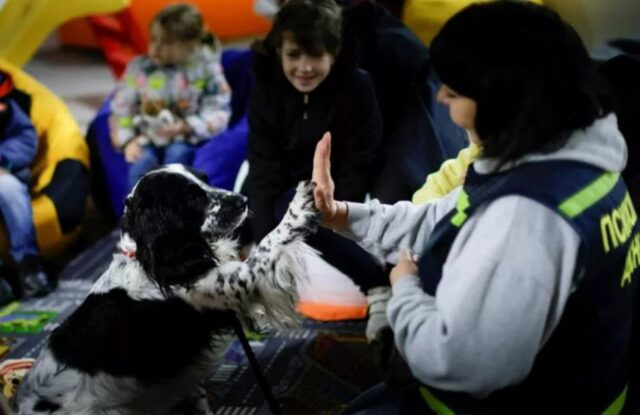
(505, 281)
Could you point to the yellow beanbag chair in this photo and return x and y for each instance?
(60, 171)
(25, 24)
(426, 17)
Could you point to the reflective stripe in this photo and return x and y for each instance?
(440, 408)
(434, 403)
(461, 205)
(616, 407)
(589, 195)
(9, 308)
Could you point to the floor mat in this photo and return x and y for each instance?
(25, 325)
(317, 369)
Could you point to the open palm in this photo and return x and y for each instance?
(323, 192)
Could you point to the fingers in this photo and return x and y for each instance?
(321, 161)
(323, 192)
(407, 255)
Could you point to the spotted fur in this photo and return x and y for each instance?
(147, 334)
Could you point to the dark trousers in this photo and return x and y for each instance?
(383, 399)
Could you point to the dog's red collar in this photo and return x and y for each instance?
(128, 254)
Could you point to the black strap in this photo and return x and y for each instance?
(253, 362)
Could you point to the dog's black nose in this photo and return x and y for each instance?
(240, 201)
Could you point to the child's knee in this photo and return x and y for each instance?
(11, 187)
(179, 153)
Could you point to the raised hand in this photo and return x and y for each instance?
(334, 214)
(323, 192)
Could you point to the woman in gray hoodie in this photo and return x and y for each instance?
(521, 295)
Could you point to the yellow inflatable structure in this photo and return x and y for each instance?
(595, 21)
(60, 170)
(426, 17)
(25, 24)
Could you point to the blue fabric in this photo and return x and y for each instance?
(378, 400)
(18, 140)
(153, 157)
(15, 205)
(237, 70)
(220, 157)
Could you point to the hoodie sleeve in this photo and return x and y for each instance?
(355, 172)
(385, 230)
(19, 142)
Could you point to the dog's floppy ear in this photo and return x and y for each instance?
(164, 218)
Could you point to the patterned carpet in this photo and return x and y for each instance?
(25, 325)
(316, 369)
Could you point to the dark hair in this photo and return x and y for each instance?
(316, 26)
(164, 215)
(181, 22)
(528, 72)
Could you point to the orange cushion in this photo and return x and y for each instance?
(332, 312)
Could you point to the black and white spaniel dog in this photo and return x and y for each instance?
(146, 336)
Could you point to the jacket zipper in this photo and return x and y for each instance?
(306, 103)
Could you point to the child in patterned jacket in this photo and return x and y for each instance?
(172, 98)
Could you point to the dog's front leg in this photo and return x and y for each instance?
(279, 259)
(301, 219)
(266, 282)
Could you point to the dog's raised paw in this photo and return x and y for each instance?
(303, 214)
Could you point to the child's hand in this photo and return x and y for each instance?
(172, 130)
(405, 267)
(133, 150)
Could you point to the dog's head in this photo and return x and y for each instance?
(173, 216)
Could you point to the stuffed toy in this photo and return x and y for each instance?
(154, 117)
(12, 372)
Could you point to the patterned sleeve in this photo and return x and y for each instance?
(125, 105)
(215, 100)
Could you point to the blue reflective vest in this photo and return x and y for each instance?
(583, 366)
